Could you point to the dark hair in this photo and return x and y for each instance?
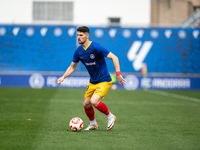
(84, 29)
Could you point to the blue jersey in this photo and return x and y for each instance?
(93, 59)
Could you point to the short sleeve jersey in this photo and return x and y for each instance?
(93, 57)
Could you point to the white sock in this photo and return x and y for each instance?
(110, 115)
(93, 122)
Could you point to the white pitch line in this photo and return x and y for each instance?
(174, 95)
(124, 102)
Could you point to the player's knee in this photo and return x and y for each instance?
(86, 105)
(94, 101)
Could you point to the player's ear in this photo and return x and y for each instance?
(87, 35)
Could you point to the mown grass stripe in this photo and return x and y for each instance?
(163, 93)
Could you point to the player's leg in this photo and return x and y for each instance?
(99, 93)
(96, 102)
(89, 110)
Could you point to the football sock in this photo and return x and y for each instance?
(93, 122)
(90, 113)
(103, 108)
(110, 115)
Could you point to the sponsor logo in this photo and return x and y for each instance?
(182, 34)
(72, 82)
(98, 90)
(43, 31)
(166, 83)
(90, 64)
(132, 82)
(140, 33)
(30, 31)
(138, 57)
(154, 34)
(98, 33)
(112, 32)
(36, 81)
(2, 31)
(168, 33)
(71, 31)
(126, 33)
(57, 32)
(195, 34)
(15, 31)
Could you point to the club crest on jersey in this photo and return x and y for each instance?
(92, 56)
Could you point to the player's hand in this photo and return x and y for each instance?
(121, 80)
(60, 80)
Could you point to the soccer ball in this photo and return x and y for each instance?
(76, 124)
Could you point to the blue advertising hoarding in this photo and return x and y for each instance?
(36, 48)
(133, 82)
(51, 48)
(164, 50)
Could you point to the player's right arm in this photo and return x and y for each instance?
(68, 72)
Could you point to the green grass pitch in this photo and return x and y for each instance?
(38, 119)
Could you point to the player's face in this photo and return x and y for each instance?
(82, 37)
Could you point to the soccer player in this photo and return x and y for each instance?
(92, 56)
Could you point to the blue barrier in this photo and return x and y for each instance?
(133, 82)
(36, 48)
(51, 48)
(164, 50)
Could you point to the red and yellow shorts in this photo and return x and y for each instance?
(99, 89)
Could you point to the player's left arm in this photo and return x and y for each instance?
(115, 60)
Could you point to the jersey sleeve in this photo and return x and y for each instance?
(75, 58)
(101, 50)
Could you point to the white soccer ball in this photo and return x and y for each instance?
(76, 124)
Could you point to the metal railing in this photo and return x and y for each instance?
(193, 20)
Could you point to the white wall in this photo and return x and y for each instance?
(87, 12)
(16, 11)
(97, 12)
